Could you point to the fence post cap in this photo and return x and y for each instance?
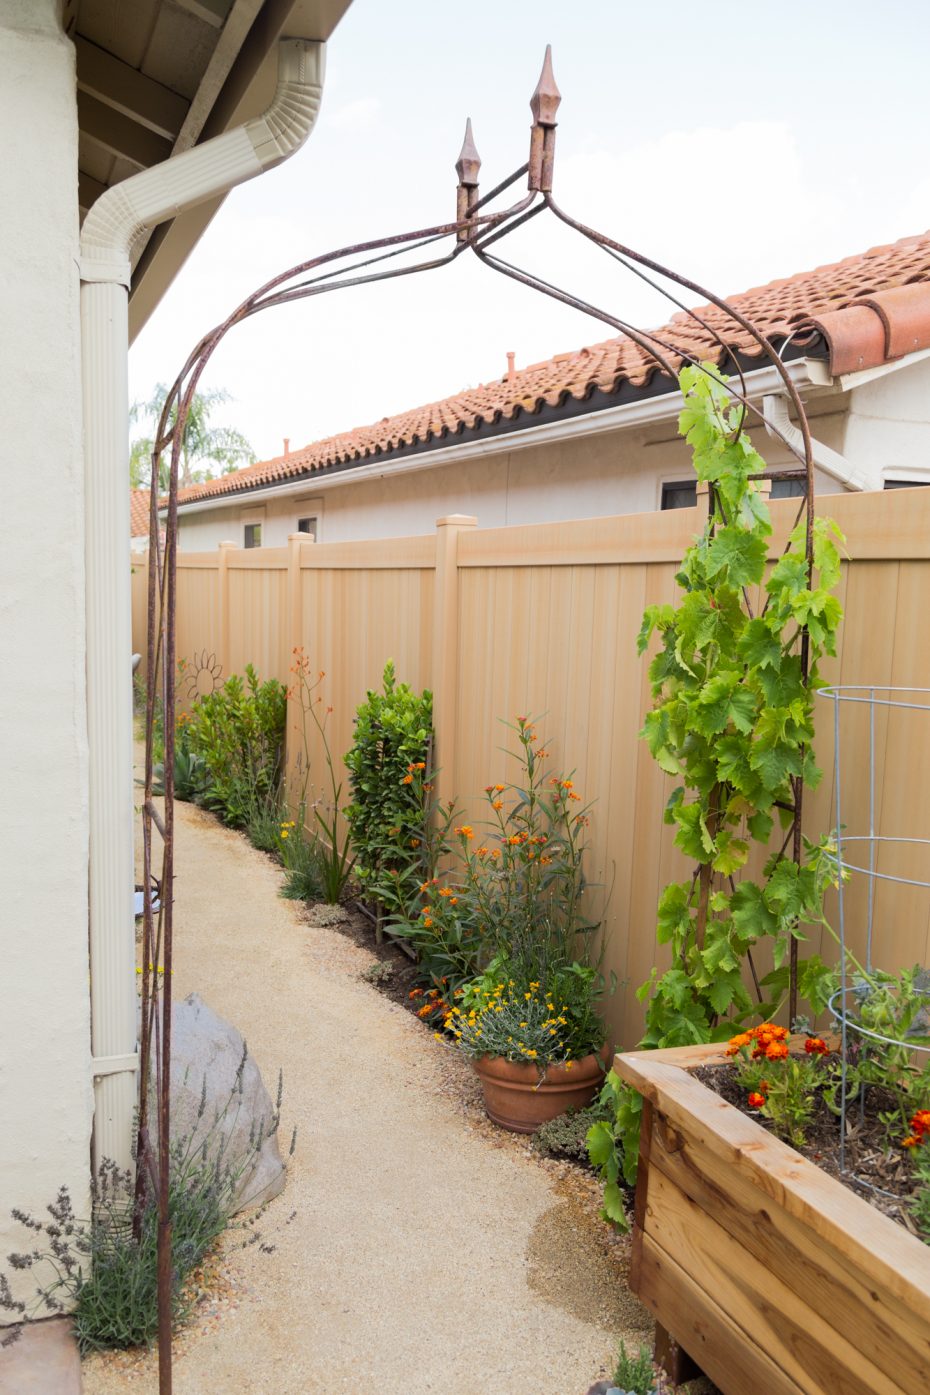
(457, 520)
(227, 544)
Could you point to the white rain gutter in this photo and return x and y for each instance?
(778, 423)
(115, 220)
(804, 372)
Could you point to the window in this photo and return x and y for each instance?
(682, 494)
(253, 535)
(788, 489)
(308, 526)
(905, 484)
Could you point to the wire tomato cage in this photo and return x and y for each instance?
(868, 860)
(480, 225)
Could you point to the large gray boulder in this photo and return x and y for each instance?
(218, 1098)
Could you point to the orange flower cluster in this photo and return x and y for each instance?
(816, 1046)
(920, 1129)
(756, 1101)
(766, 1040)
(434, 1004)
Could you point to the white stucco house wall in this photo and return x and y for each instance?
(594, 432)
(101, 108)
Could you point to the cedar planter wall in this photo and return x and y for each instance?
(774, 1277)
(542, 619)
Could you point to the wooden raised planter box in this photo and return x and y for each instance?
(773, 1277)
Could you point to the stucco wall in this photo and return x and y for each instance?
(887, 424)
(45, 1081)
(615, 472)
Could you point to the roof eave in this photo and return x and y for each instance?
(573, 419)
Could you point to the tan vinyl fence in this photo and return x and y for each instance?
(542, 620)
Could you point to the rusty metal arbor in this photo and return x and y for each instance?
(478, 226)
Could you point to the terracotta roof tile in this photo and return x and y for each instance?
(861, 311)
(139, 513)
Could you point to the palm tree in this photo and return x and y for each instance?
(203, 447)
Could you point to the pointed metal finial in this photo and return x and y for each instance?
(469, 162)
(544, 102)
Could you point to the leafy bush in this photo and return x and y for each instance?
(238, 733)
(389, 808)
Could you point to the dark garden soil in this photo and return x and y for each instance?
(876, 1170)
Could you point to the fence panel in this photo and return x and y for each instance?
(542, 621)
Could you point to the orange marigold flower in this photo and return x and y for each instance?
(920, 1122)
(415, 993)
(776, 1051)
(741, 1039)
(756, 1101)
(911, 1142)
(816, 1046)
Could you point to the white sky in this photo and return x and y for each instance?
(738, 142)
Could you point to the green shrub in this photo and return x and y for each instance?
(238, 733)
(387, 768)
(638, 1375)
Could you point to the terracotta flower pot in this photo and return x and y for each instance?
(517, 1099)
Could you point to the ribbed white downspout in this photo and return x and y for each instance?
(778, 423)
(111, 225)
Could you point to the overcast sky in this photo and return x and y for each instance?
(738, 142)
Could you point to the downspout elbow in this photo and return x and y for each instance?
(203, 172)
(779, 425)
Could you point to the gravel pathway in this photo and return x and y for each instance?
(418, 1249)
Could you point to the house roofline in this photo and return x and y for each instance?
(572, 420)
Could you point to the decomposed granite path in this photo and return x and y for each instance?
(416, 1248)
